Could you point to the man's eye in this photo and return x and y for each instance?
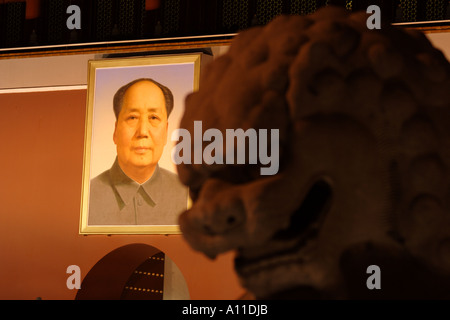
(131, 118)
(154, 117)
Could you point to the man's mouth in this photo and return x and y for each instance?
(141, 150)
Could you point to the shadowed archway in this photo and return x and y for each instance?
(132, 272)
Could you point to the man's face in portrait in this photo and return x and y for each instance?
(141, 128)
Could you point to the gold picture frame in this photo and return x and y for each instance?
(178, 72)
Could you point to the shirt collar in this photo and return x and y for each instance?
(127, 187)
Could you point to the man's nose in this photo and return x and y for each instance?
(142, 130)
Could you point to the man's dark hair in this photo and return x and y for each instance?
(118, 97)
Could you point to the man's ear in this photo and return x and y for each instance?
(114, 133)
(167, 131)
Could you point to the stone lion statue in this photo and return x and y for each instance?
(364, 157)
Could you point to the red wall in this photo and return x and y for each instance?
(41, 161)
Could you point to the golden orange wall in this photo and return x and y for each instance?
(41, 160)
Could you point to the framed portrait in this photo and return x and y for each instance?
(130, 183)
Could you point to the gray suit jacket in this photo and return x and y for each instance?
(115, 199)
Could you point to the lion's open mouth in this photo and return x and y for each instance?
(304, 226)
(307, 217)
